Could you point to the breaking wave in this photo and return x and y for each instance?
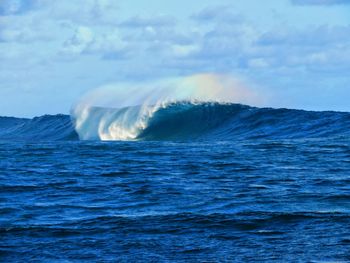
(200, 107)
(209, 121)
(185, 120)
(167, 109)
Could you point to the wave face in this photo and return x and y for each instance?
(181, 121)
(207, 121)
(47, 127)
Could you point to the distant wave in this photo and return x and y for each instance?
(184, 120)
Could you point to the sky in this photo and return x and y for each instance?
(294, 53)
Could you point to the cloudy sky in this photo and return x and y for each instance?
(296, 52)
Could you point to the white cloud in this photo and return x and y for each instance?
(82, 37)
(87, 12)
(8, 35)
(149, 21)
(94, 37)
(217, 14)
(258, 63)
(184, 50)
(16, 7)
(107, 45)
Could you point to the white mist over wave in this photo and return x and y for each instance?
(122, 111)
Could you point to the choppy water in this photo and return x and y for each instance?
(242, 185)
(285, 200)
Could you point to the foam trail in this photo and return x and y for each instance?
(123, 111)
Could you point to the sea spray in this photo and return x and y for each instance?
(127, 108)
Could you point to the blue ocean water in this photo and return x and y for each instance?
(202, 183)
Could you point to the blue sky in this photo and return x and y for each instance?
(297, 52)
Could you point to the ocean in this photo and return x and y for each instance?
(200, 182)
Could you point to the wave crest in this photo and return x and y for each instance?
(185, 120)
(125, 112)
(193, 120)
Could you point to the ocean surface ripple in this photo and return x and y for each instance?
(266, 186)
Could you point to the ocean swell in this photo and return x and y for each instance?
(186, 120)
(47, 127)
(181, 121)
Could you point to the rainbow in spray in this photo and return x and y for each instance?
(125, 111)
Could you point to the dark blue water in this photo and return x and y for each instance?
(250, 196)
